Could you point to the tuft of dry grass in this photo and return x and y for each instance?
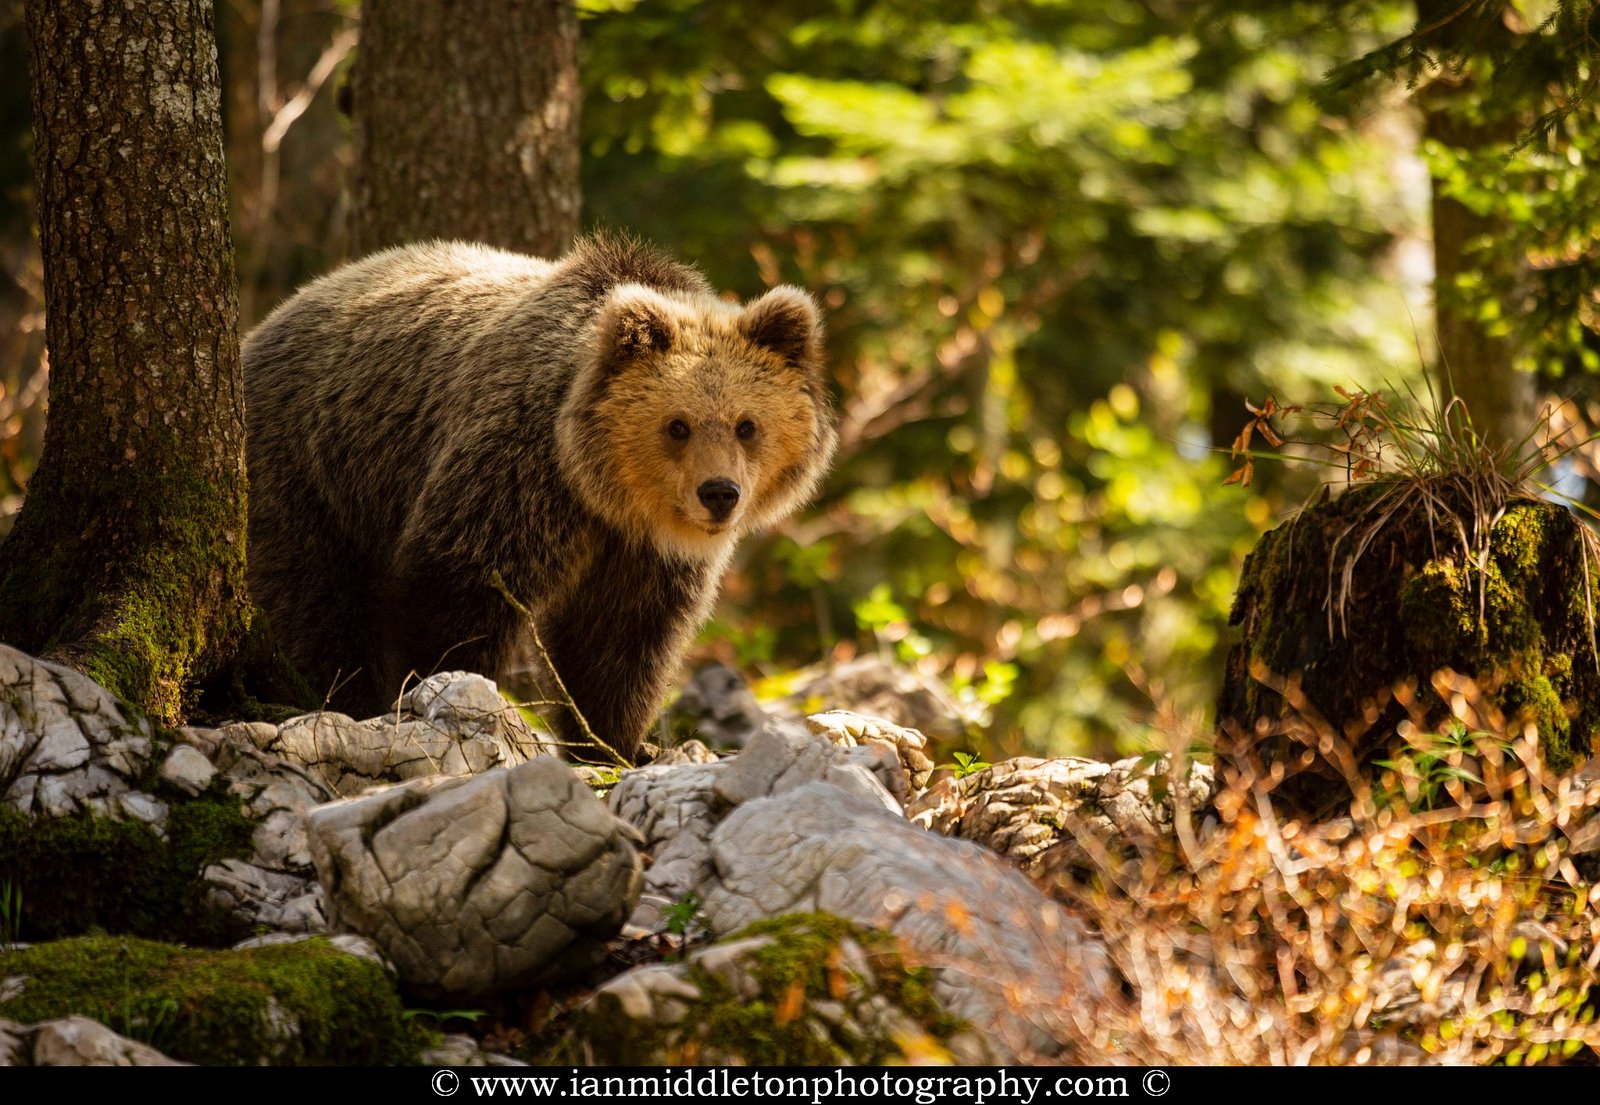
(1447, 916)
(1426, 460)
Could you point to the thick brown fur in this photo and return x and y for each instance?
(433, 415)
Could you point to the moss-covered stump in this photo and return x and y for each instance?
(807, 989)
(1367, 594)
(89, 872)
(305, 1003)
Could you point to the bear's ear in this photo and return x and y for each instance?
(636, 321)
(786, 321)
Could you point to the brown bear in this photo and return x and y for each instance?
(596, 431)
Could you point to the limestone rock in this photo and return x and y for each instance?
(452, 723)
(672, 807)
(675, 807)
(456, 1050)
(878, 687)
(1006, 957)
(847, 994)
(793, 824)
(851, 730)
(75, 1042)
(187, 768)
(785, 755)
(276, 887)
(1064, 816)
(477, 885)
(66, 747)
(717, 707)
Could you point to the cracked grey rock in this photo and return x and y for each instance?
(795, 824)
(785, 755)
(689, 752)
(74, 1042)
(473, 886)
(675, 806)
(455, 1050)
(1067, 816)
(187, 768)
(1005, 956)
(878, 687)
(717, 706)
(66, 747)
(276, 886)
(452, 723)
(910, 747)
(277, 900)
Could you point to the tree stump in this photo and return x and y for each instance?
(1349, 611)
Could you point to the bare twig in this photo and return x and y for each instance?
(499, 584)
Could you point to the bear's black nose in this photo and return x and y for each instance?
(720, 497)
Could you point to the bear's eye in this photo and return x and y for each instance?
(746, 430)
(678, 430)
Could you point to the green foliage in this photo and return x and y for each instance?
(966, 763)
(1533, 67)
(10, 913)
(1055, 241)
(438, 1018)
(297, 1004)
(682, 915)
(1431, 771)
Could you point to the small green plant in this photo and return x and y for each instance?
(10, 913)
(442, 1017)
(966, 763)
(1438, 764)
(683, 915)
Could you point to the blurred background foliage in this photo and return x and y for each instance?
(1059, 242)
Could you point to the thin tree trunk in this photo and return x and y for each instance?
(128, 558)
(1474, 364)
(466, 124)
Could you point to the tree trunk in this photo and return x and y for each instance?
(1474, 364)
(466, 124)
(1360, 595)
(127, 561)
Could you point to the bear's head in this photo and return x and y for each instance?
(693, 421)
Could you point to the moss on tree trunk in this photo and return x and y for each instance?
(127, 561)
(1416, 603)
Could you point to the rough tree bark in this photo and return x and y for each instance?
(127, 561)
(1476, 365)
(466, 124)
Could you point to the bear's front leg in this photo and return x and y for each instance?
(617, 639)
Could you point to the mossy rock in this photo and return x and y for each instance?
(1415, 604)
(305, 1003)
(813, 990)
(82, 873)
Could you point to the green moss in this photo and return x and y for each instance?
(83, 873)
(156, 605)
(289, 1004)
(799, 967)
(1533, 699)
(1518, 624)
